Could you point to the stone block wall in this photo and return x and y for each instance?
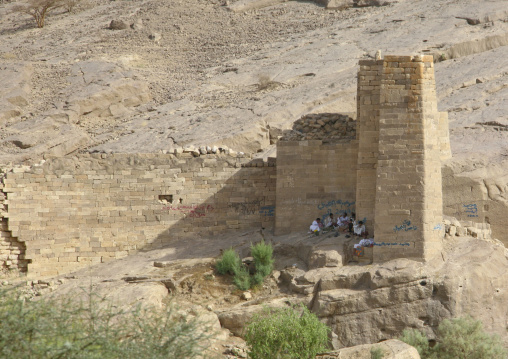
(12, 251)
(71, 212)
(408, 207)
(368, 106)
(313, 180)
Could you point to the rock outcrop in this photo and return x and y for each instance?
(371, 303)
(390, 349)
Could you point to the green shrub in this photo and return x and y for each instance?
(256, 279)
(292, 333)
(376, 353)
(77, 329)
(420, 341)
(229, 262)
(262, 254)
(242, 278)
(264, 270)
(463, 338)
(458, 338)
(263, 258)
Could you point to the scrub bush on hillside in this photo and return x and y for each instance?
(459, 338)
(88, 329)
(287, 333)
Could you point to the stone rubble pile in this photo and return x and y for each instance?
(195, 151)
(467, 229)
(322, 126)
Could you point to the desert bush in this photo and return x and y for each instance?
(458, 338)
(89, 329)
(69, 5)
(376, 353)
(256, 279)
(465, 337)
(229, 262)
(38, 9)
(242, 278)
(264, 82)
(262, 253)
(292, 332)
(263, 258)
(417, 339)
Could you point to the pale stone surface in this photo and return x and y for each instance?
(391, 349)
(14, 89)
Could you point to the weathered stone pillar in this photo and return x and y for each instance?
(367, 132)
(408, 205)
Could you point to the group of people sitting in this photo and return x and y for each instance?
(343, 223)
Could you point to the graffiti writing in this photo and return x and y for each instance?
(335, 203)
(340, 207)
(392, 244)
(246, 208)
(193, 210)
(267, 211)
(438, 227)
(405, 226)
(471, 210)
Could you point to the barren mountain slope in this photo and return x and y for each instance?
(216, 76)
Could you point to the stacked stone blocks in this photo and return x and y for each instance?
(314, 179)
(72, 212)
(408, 205)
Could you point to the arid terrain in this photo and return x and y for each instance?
(216, 76)
(185, 74)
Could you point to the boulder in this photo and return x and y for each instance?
(323, 258)
(117, 25)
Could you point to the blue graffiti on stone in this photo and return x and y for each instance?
(438, 227)
(471, 209)
(334, 203)
(392, 244)
(405, 226)
(267, 211)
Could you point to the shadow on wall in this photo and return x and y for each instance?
(245, 203)
(72, 212)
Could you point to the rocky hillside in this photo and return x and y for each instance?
(170, 74)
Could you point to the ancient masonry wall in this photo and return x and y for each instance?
(71, 212)
(313, 180)
(368, 106)
(408, 206)
(12, 251)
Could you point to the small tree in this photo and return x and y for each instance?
(292, 333)
(38, 9)
(229, 262)
(263, 258)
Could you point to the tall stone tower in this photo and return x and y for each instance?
(400, 152)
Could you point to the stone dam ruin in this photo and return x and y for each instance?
(69, 212)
